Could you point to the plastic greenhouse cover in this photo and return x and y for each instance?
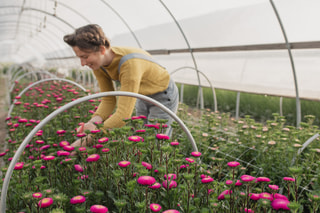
(150, 24)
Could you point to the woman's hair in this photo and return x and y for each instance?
(89, 37)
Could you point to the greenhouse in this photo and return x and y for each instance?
(159, 106)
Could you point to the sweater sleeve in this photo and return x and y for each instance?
(130, 79)
(107, 104)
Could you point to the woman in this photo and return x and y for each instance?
(134, 68)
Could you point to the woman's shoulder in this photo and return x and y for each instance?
(123, 50)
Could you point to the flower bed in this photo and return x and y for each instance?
(241, 166)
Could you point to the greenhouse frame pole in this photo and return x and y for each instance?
(52, 115)
(298, 106)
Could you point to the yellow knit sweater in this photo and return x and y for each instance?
(136, 75)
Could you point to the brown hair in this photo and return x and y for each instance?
(89, 37)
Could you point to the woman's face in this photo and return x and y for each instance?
(91, 59)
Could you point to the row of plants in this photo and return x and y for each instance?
(260, 107)
(240, 166)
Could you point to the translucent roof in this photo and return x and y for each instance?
(236, 45)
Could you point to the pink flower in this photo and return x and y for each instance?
(155, 207)
(146, 165)
(68, 148)
(233, 163)
(64, 143)
(274, 187)
(207, 180)
(262, 179)
(19, 166)
(247, 178)
(63, 153)
(229, 182)
(77, 199)
(254, 196)
(37, 195)
(279, 196)
(23, 120)
(190, 160)
(45, 147)
(140, 130)
(78, 168)
(172, 184)
(98, 209)
(226, 192)
(196, 154)
(61, 131)
(171, 211)
(124, 164)
(82, 149)
(39, 142)
(49, 157)
(105, 150)
(45, 202)
(289, 179)
(162, 136)
(81, 135)
(135, 138)
(280, 204)
(93, 157)
(266, 195)
(2, 154)
(155, 186)
(95, 131)
(146, 180)
(103, 140)
(170, 176)
(174, 143)
(238, 183)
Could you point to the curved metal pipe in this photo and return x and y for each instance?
(212, 88)
(38, 82)
(189, 47)
(67, 106)
(298, 105)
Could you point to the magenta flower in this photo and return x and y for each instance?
(279, 196)
(64, 143)
(63, 153)
(226, 192)
(266, 195)
(98, 209)
(190, 160)
(95, 131)
(174, 143)
(233, 164)
(262, 179)
(135, 138)
(171, 211)
(45, 147)
(238, 183)
(207, 180)
(274, 187)
(229, 182)
(81, 135)
(82, 149)
(247, 178)
(105, 150)
(45, 202)
(37, 195)
(155, 207)
(68, 148)
(196, 154)
(61, 131)
(93, 157)
(124, 164)
(19, 166)
(103, 140)
(170, 176)
(146, 165)
(140, 131)
(289, 179)
(172, 184)
(78, 168)
(49, 157)
(155, 186)
(39, 142)
(280, 204)
(162, 136)
(78, 199)
(2, 154)
(23, 120)
(146, 180)
(254, 196)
